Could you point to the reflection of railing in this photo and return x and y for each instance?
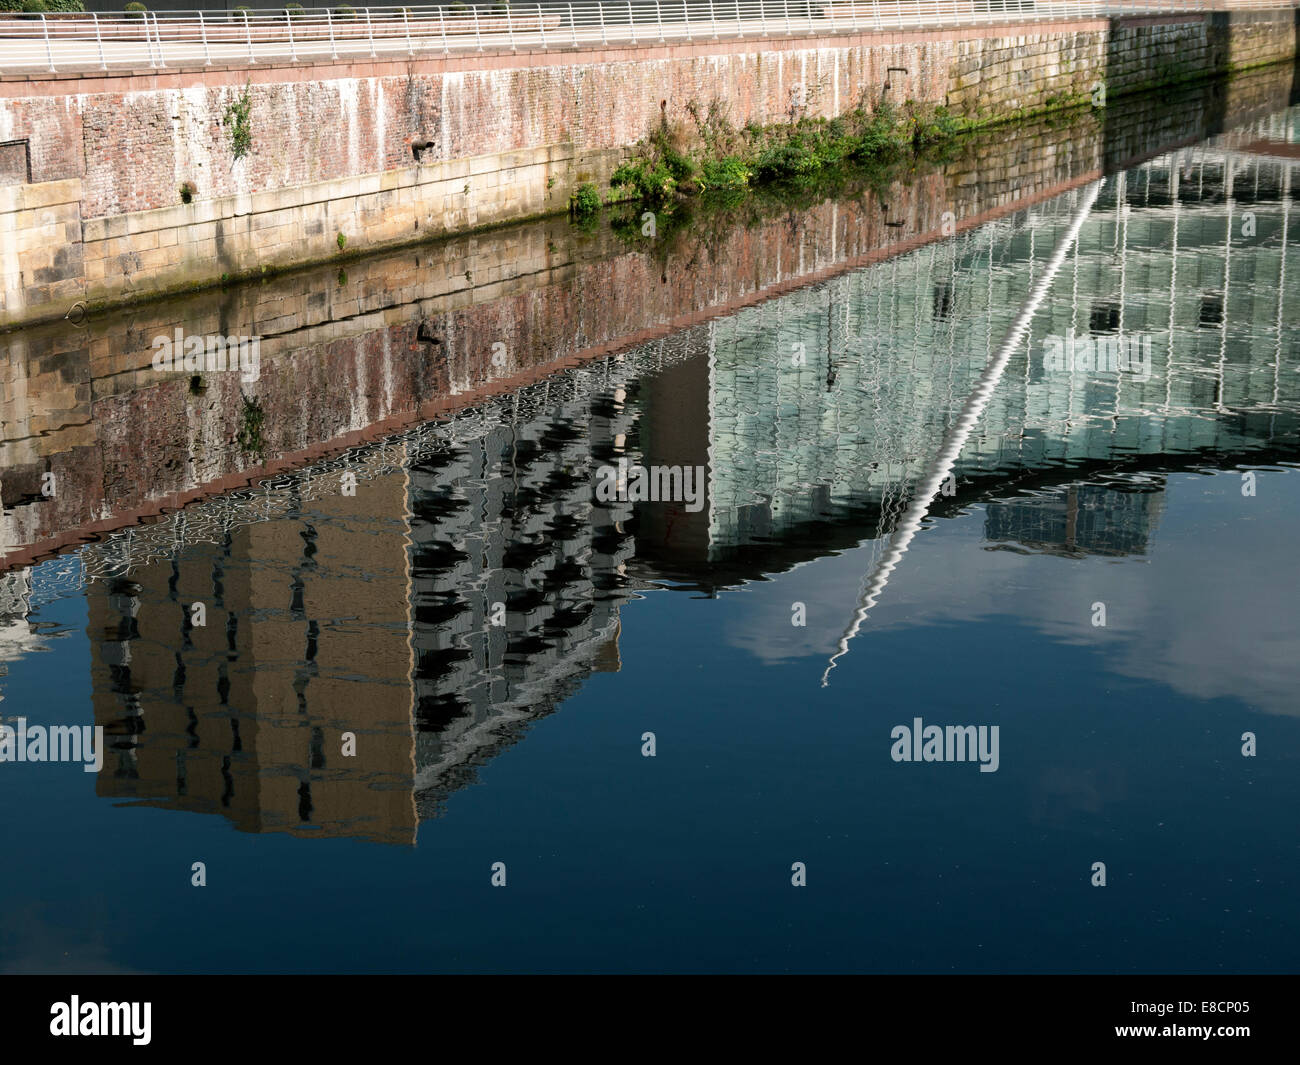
(197, 38)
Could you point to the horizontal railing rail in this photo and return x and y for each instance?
(57, 43)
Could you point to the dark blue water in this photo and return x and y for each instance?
(522, 743)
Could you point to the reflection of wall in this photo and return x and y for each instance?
(306, 638)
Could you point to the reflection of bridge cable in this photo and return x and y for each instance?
(956, 437)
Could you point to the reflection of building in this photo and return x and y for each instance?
(374, 614)
(17, 638)
(472, 583)
(304, 639)
(1085, 519)
(827, 405)
(515, 583)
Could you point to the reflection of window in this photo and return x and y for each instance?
(943, 299)
(1211, 310)
(1104, 317)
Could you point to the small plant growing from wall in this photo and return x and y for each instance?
(237, 118)
(188, 192)
(135, 10)
(341, 240)
(585, 201)
(251, 421)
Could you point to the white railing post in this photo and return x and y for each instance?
(442, 22)
(207, 52)
(659, 18)
(740, 28)
(788, 31)
(406, 22)
(293, 46)
(49, 51)
(370, 32)
(573, 26)
(478, 36)
(876, 5)
(510, 27)
(631, 21)
(762, 16)
(830, 6)
(329, 22)
(686, 13)
(541, 26)
(604, 38)
(713, 19)
(157, 34)
(248, 30)
(99, 39)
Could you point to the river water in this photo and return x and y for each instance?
(429, 643)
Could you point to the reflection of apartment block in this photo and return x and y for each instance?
(516, 583)
(305, 640)
(328, 614)
(1077, 521)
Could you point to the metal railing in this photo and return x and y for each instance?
(58, 43)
